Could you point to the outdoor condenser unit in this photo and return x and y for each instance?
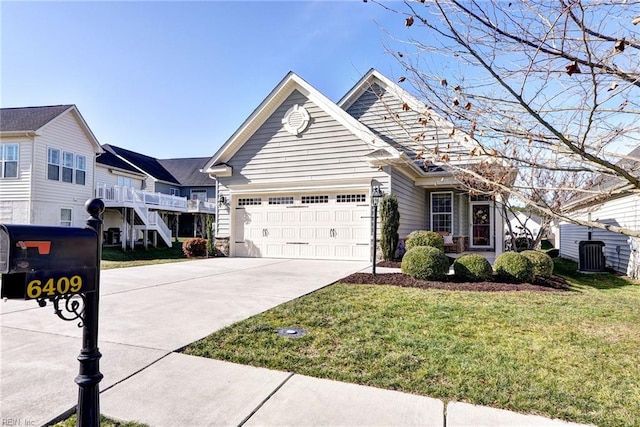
(591, 256)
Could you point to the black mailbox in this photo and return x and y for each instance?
(40, 262)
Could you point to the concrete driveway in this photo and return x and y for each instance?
(145, 314)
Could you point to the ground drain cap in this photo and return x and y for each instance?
(291, 332)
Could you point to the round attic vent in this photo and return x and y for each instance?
(296, 120)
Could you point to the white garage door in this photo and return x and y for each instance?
(321, 226)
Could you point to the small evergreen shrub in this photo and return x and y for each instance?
(195, 247)
(545, 244)
(390, 222)
(424, 238)
(472, 268)
(513, 267)
(425, 262)
(523, 243)
(542, 263)
(553, 253)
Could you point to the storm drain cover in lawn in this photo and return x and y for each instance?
(291, 332)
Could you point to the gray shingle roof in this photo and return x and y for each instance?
(148, 164)
(187, 171)
(29, 118)
(109, 158)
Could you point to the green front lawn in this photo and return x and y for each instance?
(570, 355)
(117, 258)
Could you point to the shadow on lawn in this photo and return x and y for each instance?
(603, 281)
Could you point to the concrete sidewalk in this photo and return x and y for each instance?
(182, 390)
(146, 313)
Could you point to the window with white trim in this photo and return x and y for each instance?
(81, 169)
(66, 217)
(174, 191)
(67, 167)
(351, 198)
(250, 201)
(53, 164)
(281, 200)
(124, 181)
(442, 212)
(9, 160)
(310, 200)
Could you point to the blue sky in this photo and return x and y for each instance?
(176, 79)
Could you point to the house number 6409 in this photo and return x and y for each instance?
(51, 287)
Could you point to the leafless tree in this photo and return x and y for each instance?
(549, 87)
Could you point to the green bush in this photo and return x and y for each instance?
(425, 262)
(195, 247)
(390, 222)
(523, 243)
(424, 238)
(473, 268)
(545, 244)
(553, 253)
(513, 267)
(542, 263)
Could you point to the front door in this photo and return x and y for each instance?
(481, 224)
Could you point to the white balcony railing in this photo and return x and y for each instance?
(196, 205)
(117, 194)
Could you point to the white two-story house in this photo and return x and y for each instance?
(47, 165)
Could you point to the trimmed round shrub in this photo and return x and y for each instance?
(195, 247)
(513, 267)
(424, 238)
(425, 262)
(472, 268)
(542, 263)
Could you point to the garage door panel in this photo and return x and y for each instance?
(307, 233)
(323, 227)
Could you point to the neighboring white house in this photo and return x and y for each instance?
(147, 198)
(296, 177)
(623, 209)
(47, 165)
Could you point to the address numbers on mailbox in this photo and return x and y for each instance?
(49, 287)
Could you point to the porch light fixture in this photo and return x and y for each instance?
(222, 200)
(376, 195)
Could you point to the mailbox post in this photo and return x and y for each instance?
(61, 265)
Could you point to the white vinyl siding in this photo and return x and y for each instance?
(382, 111)
(64, 134)
(326, 150)
(412, 204)
(623, 212)
(9, 160)
(18, 188)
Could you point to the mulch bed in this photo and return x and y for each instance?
(552, 284)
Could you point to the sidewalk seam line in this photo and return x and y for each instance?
(265, 400)
(135, 373)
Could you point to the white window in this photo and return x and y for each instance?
(199, 195)
(174, 191)
(124, 181)
(81, 169)
(53, 164)
(66, 218)
(442, 212)
(8, 160)
(67, 166)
